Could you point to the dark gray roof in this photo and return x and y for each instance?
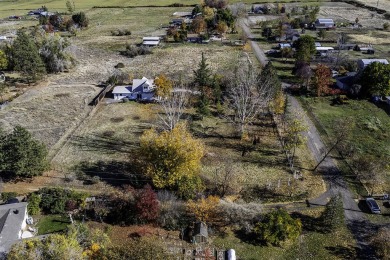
(12, 217)
(200, 229)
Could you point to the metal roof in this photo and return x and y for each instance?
(122, 90)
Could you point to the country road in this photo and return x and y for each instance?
(360, 227)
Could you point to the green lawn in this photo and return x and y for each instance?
(370, 135)
(52, 223)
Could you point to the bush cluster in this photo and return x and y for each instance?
(121, 32)
(134, 50)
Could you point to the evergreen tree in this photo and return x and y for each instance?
(26, 57)
(333, 216)
(269, 78)
(21, 155)
(203, 73)
(305, 48)
(203, 81)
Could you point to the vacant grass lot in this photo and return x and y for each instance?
(371, 133)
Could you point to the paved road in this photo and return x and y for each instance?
(255, 47)
(360, 227)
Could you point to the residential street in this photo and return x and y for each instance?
(361, 228)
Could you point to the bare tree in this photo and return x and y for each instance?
(247, 96)
(173, 108)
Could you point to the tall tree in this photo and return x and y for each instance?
(375, 79)
(333, 216)
(203, 80)
(170, 156)
(21, 156)
(247, 96)
(305, 48)
(322, 79)
(26, 57)
(173, 107)
(164, 86)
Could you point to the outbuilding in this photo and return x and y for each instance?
(200, 233)
(324, 23)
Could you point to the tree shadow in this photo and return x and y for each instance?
(363, 230)
(115, 173)
(104, 143)
(342, 252)
(310, 224)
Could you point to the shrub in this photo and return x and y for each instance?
(146, 205)
(120, 65)
(33, 204)
(54, 200)
(81, 19)
(333, 216)
(386, 26)
(277, 227)
(8, 195)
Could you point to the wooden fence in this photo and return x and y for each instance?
(102, 94)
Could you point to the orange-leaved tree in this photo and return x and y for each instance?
(322, 79)
(204, 209)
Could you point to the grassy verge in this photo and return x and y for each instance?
(370, 133)
(52, 223)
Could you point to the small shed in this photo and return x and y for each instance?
(200, 233)
(324, 23)
(150, 41)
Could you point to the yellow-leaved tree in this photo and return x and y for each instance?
(164, 86)
(172, 159)
(205, 209)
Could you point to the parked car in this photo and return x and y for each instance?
(374, 208)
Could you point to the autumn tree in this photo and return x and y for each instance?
(173, 107)
(25, 57)
(276, 227)
(21, 156)
(164, 86)
(146, 204)
(294, 138)
(333, 216)
(375, 79)
(219, 4)
(198, 24)
(247, 96)
(204, 209)
(305, 48)
(322, 79)
(52, 247)
(222, 28)
(304, 72)
(170, 156)
(278, 104)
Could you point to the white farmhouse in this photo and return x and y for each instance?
(13, 224)
(141, 89)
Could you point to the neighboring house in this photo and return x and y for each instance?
(323, 51)
(200, 233)
(183, 14)
(13, 224)
(362, 63)
(150, 41)
(284, 45)
(324, 24)
(345, 82)
(194, 37)
(141, 89)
